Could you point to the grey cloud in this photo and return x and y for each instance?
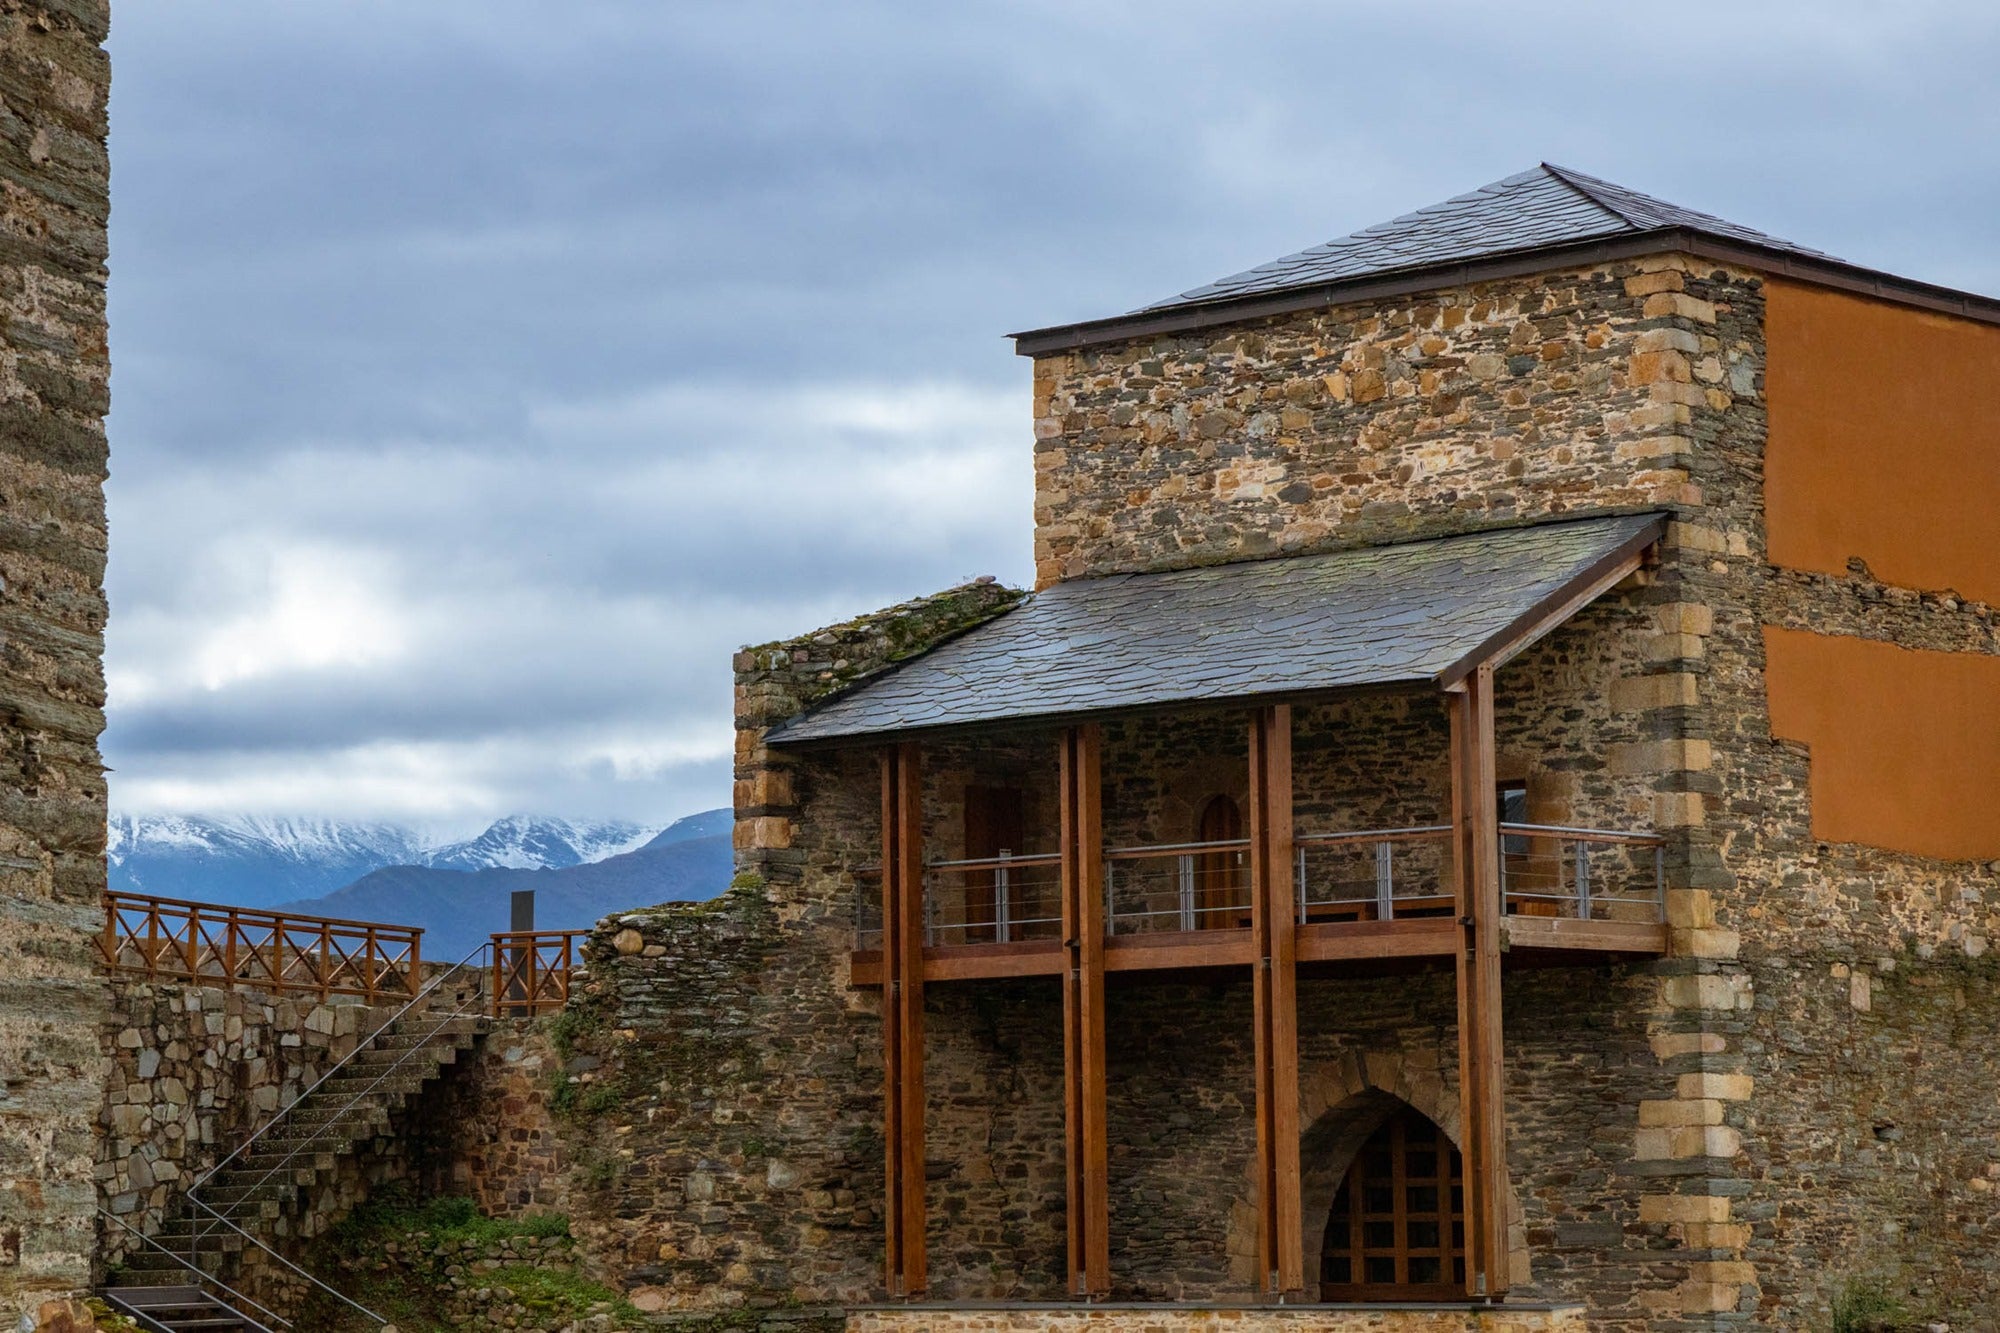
(563, 352)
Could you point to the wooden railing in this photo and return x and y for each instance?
(532, 970)
(207, 944)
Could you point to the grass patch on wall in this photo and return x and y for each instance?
(395, 1254)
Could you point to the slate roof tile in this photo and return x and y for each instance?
(1544, 206)
(1379, 615)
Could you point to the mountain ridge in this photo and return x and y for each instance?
(262, 861)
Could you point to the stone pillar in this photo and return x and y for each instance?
(54, 371)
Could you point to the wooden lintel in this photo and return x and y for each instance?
(1085, 1135)
(1476, 861)
(1273, 927)
(902, 966)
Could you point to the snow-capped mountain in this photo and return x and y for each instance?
(262, 861)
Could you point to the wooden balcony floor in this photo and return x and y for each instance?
(1329, 947)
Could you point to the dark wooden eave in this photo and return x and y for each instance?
(1523, 263)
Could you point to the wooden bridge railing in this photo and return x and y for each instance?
(532, 970)
(169, 939)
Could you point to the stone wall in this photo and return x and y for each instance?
(1157, 1319)
(195, 1071)
(1460, 407)
(53, 375)
(1853, 1093)
(1795, 1097)
(499, 1114)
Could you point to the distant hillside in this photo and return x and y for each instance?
(260, 862)
(458, 909)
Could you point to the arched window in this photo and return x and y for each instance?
(1221, 890)
(1397, 1229)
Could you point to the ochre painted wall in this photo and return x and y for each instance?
(1905, 744)
(1884, 441)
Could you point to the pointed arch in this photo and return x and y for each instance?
(1343, 1101)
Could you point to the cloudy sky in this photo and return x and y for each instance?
(486, 372)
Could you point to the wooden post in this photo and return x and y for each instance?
(1482, 1106)
(903, 1020)
(1280, 1250)
(1088, 1158)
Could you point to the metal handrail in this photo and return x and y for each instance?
(203, 1276)
(1175, 849)
(1581, 834)
(457, 1013)
(996, 862)
(337, 1294)
(1415, 832)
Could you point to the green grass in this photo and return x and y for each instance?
(1865, 1305)
(558, 1291)
(392, 1211)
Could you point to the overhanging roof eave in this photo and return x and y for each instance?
(1560, 606)
(1221, 311)
(1051, 720)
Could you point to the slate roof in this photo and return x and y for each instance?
(1544, 206)
(1411, 613)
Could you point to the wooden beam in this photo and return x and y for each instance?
(1273, 927)
(1086, 1141)
(905, 1259)
(1476, 861)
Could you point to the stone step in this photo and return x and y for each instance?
(178, 1309)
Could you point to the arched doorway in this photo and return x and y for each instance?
(1219, 887)
(1396, 1231)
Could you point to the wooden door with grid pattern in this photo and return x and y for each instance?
(1397, 1229)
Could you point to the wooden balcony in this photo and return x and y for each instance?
(1373, 899)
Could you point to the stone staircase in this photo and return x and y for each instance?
(179, 1310)
(275, 1177)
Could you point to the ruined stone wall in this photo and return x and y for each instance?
(53, 376)
(500, 1112)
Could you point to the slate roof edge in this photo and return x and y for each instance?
(1512, 634)
(1223, 703)
(1494, 644)
(1832, 273)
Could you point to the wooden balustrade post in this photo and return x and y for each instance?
(1280, 1247)
(905, 1255)
(1085, 1112)
(1476, 862)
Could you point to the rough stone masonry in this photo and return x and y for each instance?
(54, 373)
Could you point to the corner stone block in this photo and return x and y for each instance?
(1679, 809)
(1663, 280)
(1640, 694)
(1685, 618)
(1707, 943)
(1633, 758)
(1669, 305)
(1683, 1208)
(1679, 1113)
(1723, 1087)
(763, 833)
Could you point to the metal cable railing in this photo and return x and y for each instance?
(205, 1279)
(1177, 886)
(470, 1002)
(1363, 875)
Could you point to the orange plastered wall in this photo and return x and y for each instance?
(1884, 440)
(1905, 744)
